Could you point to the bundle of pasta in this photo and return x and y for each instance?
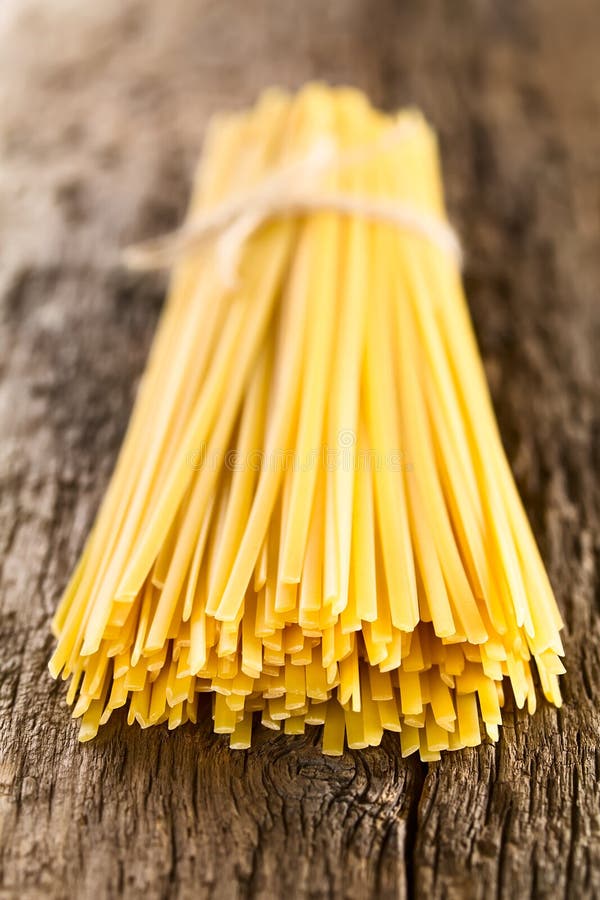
(312, 517)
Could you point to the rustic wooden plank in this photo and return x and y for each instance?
(101, 117)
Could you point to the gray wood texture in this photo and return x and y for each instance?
(102, 112)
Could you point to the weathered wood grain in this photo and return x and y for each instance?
(102, 110)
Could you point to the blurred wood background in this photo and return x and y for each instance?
(102, 112)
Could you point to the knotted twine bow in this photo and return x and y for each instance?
(292, 190)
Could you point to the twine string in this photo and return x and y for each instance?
(290, 191)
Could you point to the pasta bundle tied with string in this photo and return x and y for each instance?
(312, 518)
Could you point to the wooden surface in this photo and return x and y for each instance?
(102, 111)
